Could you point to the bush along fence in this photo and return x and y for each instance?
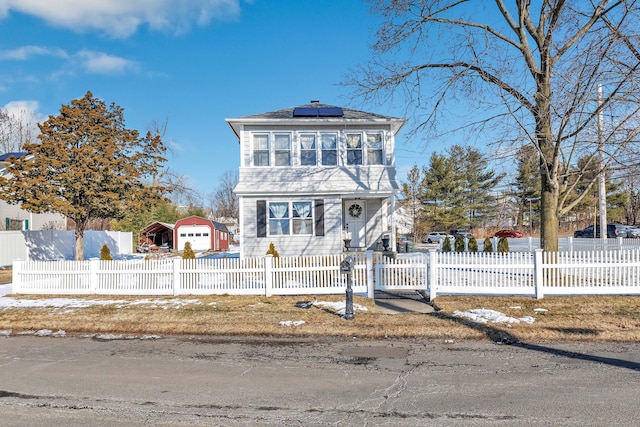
(535, 274)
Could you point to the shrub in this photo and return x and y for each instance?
(473, 245)
(188, 252)
(503, 245)
(272, 250)
(105, 253)
(488, 245)
(446, 245)
(458, 244)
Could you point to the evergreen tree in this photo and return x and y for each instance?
(503, 245)
(105, 253)
(272, 250)
(446, 245)
(458, 244)
(188, 253)
(488, 245)
(86, 166)
(527, 183)
(411, 193)
(477, 185)
(441, 193)
(473, 245)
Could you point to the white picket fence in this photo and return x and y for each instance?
(251, 276)
(534, 274)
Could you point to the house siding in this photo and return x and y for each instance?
(370, 181)
(254, 246)
(36, 221)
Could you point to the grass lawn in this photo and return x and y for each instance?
(556, 318)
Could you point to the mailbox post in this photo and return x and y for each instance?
(346, 267)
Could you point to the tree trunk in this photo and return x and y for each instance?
(79, 247)
(549, 185)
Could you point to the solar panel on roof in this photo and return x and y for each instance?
(305, 112)
(330, 112)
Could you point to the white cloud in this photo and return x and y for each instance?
(102, 63)
(26, 52)
(122, 18)
(24, 109)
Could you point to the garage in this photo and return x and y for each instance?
(198, 235)
(203, 234)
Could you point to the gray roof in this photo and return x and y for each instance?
(286, 115)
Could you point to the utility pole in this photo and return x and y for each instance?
(602, 191)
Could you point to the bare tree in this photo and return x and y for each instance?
(224, 202)
(530, 69)
(16, 129)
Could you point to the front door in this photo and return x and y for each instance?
(355, 220)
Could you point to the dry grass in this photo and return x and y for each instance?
(5, 275)
(567, 318)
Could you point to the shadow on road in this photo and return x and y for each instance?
(502, 337)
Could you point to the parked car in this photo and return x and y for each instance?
(436, 237)
(461, 232)
(508, 233)
(613, 231)
(632, 232)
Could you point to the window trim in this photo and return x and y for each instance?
(291, 218)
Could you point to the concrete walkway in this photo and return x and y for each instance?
(395, 302)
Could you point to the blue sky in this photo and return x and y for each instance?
(191, 63)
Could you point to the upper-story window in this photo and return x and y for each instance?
(261, 150)
(271, 149)
(374, 148)
(282, 150)
(318, 149)
(354, 149)
(308, 153)
(329, 149)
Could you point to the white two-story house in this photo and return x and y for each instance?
(313, 175)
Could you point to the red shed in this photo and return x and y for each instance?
(203, 234)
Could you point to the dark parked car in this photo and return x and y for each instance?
(462, 233)
(508, 233)
(613, 231)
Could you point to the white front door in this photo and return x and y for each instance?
(355, 221)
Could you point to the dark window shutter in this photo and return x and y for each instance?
(319, 217)
(261, 217)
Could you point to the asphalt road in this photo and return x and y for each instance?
(193, 381)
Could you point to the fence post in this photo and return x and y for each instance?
(94, 266)
(570, 243)
(432, 273)
(16, 272)
(370, 284)
(268, 275)
(538, 276)
(177, 264)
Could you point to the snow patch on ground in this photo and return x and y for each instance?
(482, 315)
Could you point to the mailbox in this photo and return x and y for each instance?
(346, 266)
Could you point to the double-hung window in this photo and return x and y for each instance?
(261, 152)
(282, 144)
(308, 154)
(290, 218)
(374, 149)
(354, 149)
(329, 150)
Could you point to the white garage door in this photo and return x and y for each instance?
(198, 235)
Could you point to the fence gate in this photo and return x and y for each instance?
(406, 272)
